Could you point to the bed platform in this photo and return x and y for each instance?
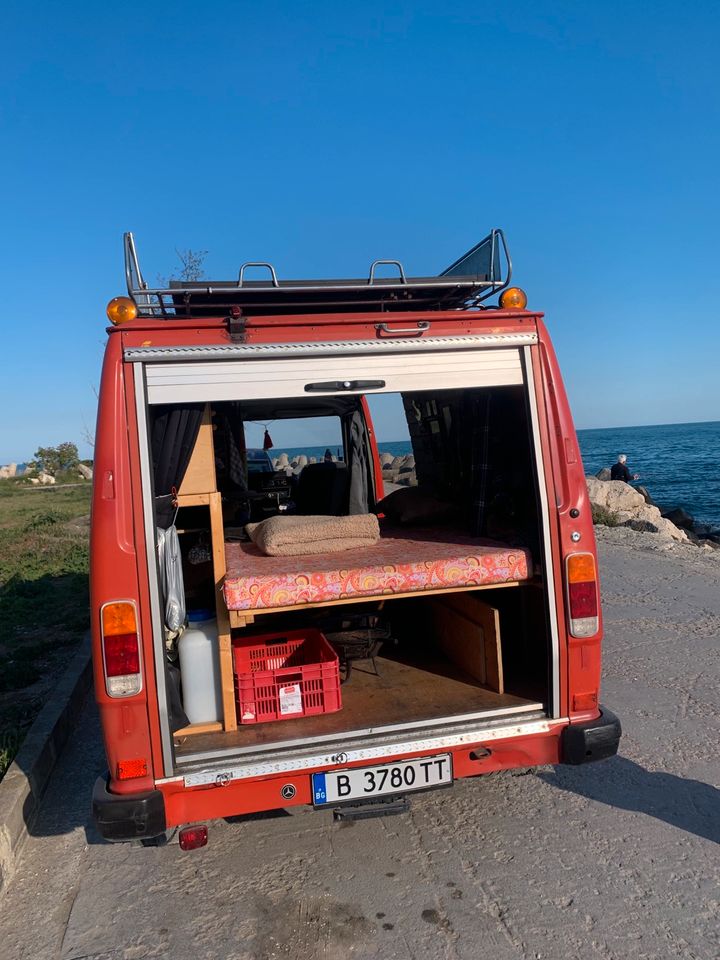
(403, 563)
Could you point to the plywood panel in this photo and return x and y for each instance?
(223, 621)
(468, 631)
(200, 474)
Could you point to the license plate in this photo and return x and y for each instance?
(340, 785)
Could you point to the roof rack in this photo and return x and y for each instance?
(482, 271)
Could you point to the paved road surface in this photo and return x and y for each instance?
(617, 861)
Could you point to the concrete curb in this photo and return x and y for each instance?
(24, 784)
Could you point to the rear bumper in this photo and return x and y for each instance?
(594, 740)
(134, 816)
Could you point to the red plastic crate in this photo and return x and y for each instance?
(282, 676)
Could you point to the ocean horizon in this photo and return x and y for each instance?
(678, 463)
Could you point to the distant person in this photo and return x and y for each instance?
(619, 470)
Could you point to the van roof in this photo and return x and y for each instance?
(484, 270)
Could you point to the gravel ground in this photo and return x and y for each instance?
(615, 860)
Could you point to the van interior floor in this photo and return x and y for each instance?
(428, 689)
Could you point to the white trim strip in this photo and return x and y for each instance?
(326, 348)
(549, 573)
(246, 771)
(151, 551)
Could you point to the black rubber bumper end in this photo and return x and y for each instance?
(595, 740)
(133, 816)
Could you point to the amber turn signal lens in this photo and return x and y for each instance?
(121, 310)
(581, 568)
(118, 618)
(513, 299)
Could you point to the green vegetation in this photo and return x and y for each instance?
(602, 516)
(57, 459)
(43, 597)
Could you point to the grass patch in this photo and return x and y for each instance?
(43, 595)
(603, 517)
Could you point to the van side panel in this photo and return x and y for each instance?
(114, 572)
(584, 657)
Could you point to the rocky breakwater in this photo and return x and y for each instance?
(398, 471)
(617, 504)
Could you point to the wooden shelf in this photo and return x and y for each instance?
(197, 728)
(199, 489)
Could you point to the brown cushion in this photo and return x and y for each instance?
(413, 505)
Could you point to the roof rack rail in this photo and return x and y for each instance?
(484, 270)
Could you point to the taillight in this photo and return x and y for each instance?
(190, 838)
(121, 649)
(582, 594)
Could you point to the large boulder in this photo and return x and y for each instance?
(9, 471)
(85, 471)
(46, 479)
(629, 508)
(680, 517)
(646, 496)
(614, 495)
(386, 459)
(604, 474)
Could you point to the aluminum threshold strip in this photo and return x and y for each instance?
(363, 737)
(326, 348)
(358, 751)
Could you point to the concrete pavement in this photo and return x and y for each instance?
(617, 860)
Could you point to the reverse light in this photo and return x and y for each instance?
(513, 299)
(582, 594)
(121, 649)
(121, 310)
(191, 838)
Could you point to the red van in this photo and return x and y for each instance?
(352, 624)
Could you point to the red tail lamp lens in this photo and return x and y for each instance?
(122, 655)
(193, 837)
(583, 600)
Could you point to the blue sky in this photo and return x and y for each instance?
(322, 136)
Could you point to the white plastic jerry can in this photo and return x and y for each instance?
(200, 668)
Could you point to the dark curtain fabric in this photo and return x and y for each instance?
(230, 453)
(478, 414)
(359, 465)
(176, 714)
(172, 438)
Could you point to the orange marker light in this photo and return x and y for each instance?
(513, 299)
(121, 310)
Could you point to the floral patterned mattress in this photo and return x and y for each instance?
(403, 561)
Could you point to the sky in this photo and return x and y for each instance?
(322, 136)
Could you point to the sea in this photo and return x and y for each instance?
(678, 463)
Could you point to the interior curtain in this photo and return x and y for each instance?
(359, 465)
(479, 409)
(172, 439)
